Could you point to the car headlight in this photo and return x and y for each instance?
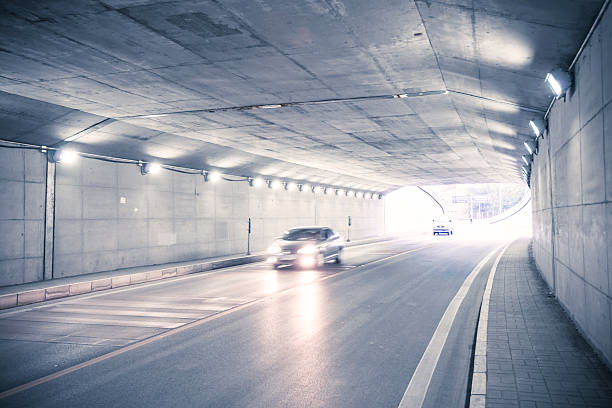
(308, 250)
(274, 249)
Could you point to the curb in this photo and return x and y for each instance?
(478, 392)
(28, 297)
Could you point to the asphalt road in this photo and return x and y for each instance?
(251, 336)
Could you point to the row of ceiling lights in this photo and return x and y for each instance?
(68, 156)
(559, 82)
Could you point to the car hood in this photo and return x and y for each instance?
(293, 245)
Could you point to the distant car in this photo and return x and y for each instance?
(307, 247)
(443, 227)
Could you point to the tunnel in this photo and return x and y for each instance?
(306, 203)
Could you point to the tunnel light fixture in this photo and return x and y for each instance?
(527, 159)
(150, 168)
(213, 176)
(401, 96)
(64, 156)
(538, 126)
(275, 185)
(558, 81)
(350, 193)
(526, 169)
(316, 189)
(275, 106)
(291, 186)
(258, 182)
(531, 146)
(300, 187)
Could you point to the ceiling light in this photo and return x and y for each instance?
(316, 189)
(275, 184)
(527, 159)
(258, 182)
(214, 176)
(400, 96)
(558, 81)
(65, 156)
(269, 106)
(349, 193)
(150, 168)
(531, 146)
(291, 186)
(538, 126)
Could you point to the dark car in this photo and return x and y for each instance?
(306, 247)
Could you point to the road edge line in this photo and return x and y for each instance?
(417, 388)
(478, 391)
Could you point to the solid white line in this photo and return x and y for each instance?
(419, 383)
(479, 374)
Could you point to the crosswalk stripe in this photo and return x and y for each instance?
(161, 305)
(116, 312)
(111, 322)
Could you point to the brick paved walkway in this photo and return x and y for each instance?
(535, 355)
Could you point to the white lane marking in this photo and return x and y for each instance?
(116, 312)
(479, 375)
(419, 383)
(162, 324)
(214, 306)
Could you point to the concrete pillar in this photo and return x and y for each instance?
(49, 220)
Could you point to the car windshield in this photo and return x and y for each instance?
(306, 234)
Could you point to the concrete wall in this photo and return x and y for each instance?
(573, 214)
(22, 200)
(108, 216)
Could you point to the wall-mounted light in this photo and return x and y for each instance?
(150, 168)
(537, 126)
(300, 187)
(258, 182)
(214, 176)
(531, 146)
(526, 169)
(64, 156)
(276, 184)
(558, 81)
(291, 186)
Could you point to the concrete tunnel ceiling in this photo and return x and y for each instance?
(184, 82)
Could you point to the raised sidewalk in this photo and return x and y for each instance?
(535, 355)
